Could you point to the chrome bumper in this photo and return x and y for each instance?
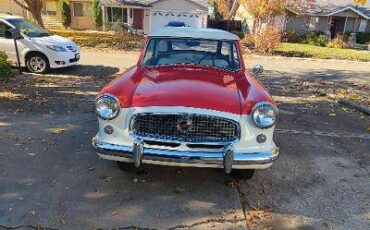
(226, 158)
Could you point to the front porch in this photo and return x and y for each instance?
(347, 20)
(124, 18)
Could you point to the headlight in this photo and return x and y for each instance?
(264, 115)
(56, 48)
(107, 107)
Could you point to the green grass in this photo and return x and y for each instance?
(304, 50)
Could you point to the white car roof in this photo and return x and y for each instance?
(8, 16)
(187, 32)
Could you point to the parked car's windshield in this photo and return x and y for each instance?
(182, 51)
(28, 28)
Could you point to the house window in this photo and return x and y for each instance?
(116, 14)
(81, 9)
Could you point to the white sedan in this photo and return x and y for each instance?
(39, 50)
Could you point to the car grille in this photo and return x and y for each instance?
(190, 128)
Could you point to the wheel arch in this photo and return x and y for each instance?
(29, 53)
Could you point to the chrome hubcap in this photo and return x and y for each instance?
(37, 64)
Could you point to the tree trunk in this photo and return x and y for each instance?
(34, 7)
(38, 17)
(234, 8)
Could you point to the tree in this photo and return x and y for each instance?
(227, 8)
(359, 2)
(65, 13)
(264, 11)
(97, 13)
(34, 7)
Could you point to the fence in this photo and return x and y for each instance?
(229, 25)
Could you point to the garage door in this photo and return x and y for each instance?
(160, 19)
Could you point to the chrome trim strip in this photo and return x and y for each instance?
(189, 158)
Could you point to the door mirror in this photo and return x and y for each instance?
(13, 34)
(257, 70)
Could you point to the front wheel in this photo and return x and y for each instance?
(243, 174)
(37, 63)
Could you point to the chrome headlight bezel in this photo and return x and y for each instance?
(111, 102)
(264, 108)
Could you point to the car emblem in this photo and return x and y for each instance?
(184, 125)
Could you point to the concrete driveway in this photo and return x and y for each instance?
(51, 179)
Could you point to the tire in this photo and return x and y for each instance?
(241, 174)
(37, 63)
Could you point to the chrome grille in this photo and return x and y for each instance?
(173, 127)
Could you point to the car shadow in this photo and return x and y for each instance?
(82, 71)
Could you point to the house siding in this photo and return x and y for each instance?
(11, 7)
(299, 24)
(176, 5)
(247, 19)
(82, 23)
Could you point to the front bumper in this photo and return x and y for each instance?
(64, 59)
(225, 158)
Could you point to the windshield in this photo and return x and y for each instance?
(28, 28)
(183, 51)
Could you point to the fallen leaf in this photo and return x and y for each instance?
(135, 180)
(114, 213)
(91, 168)
(31, 154)
(63, 221)
(332, 114)
(57, 130)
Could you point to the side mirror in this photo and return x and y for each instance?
(13, 34)
(257, 70)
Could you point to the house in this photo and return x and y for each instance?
(332, 17)
(140, 15)
(148, 15)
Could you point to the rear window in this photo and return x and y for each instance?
(183, 51)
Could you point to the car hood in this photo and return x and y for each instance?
(179, 86)
(53, 40)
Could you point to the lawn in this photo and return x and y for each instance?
(95, 39)
(304, 50)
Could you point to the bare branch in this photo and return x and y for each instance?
(21, 5)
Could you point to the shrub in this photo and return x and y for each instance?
(315, 38)
(97, 13)
(292, 36)
(240, 34)
(338, 42)
(5, 68)
(65, 13)
(249, 41)
(363, 37)
(267, 40)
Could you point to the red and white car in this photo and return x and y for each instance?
(188, 102)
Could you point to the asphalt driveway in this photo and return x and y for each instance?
(50, 177)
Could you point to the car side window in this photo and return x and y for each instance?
(3, 28)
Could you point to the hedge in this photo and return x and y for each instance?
(5, 68)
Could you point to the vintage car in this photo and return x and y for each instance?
(188, 102)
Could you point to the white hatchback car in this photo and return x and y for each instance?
(39, 50)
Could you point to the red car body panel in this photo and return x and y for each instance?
(189, 86)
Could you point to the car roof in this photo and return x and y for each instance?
(187, 32)
(9, 16)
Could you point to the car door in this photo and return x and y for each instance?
(7, 45)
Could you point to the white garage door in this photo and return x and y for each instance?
(159, 19)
